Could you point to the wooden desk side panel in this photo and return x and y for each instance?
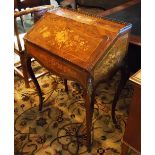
(132, 135)
(57, 65)
(112, 58)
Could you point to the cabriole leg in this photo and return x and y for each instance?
(31, 73)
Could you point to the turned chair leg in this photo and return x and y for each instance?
(22, 22)
(123, 80)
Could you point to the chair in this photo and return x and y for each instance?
(23, 4)
(16, 6)
(19, 43)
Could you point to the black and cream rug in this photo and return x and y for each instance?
(59, 128)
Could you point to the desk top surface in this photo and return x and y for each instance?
(76, 37)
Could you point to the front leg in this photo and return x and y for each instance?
(89, 104)
(31, 73)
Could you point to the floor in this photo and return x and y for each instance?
(60, 128)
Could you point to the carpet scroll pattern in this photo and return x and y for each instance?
(60, 128)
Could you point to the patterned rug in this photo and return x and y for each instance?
(59, 129)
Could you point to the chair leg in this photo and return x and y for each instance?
(22, 22)
(24, 69)
(123, 80)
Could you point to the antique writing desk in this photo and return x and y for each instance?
(132, 135)
(77, 47)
